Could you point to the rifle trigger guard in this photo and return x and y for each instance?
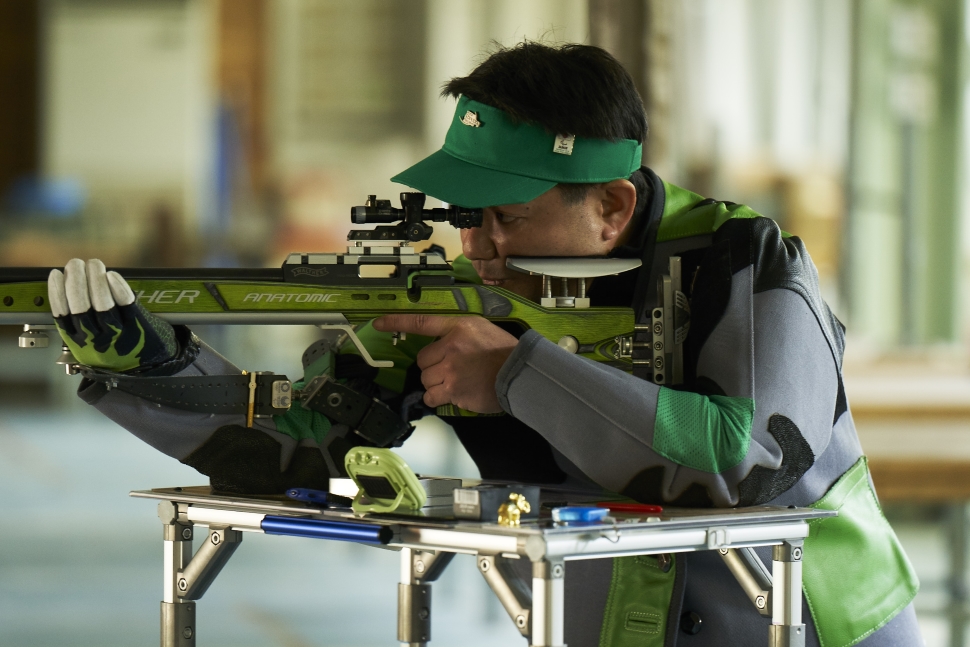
(376, 363)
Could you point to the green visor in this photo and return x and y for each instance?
(489, 160)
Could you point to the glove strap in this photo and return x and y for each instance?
(188, 351)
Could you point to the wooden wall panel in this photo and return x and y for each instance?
(19, 89)
(242, 77)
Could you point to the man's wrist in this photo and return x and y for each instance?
(186, 353)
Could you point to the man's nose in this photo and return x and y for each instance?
(477, 243)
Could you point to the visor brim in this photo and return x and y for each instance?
(461, 183)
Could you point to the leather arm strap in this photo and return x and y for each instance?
(370, 418)
(205, 393)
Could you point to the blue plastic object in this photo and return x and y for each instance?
(308, 495)
(579, 514)
(364, 533)
(319, 498)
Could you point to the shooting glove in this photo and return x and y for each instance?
(102, 323)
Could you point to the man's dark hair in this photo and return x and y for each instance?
(569, 90)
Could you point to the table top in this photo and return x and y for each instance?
(673, 530)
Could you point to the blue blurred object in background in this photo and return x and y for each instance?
(42, 196)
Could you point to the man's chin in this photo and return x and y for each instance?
(530, 288)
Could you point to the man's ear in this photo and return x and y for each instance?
(619, 199)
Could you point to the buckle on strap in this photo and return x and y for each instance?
(253, 394)
(250, 405)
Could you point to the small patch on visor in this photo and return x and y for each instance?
(471, 119)
(564, 144)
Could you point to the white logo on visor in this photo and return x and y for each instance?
(564, 144)
(471, 119)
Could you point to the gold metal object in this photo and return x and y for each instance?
(252, 397)
(510, 512)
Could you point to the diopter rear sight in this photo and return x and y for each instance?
(410, 218)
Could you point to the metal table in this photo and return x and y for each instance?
(427, 545)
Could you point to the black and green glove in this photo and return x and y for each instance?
(102, 323)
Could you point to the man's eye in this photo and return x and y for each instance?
(504, 218)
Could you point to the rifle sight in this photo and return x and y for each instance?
(410, 219)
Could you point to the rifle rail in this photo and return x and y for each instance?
(268, 274)
(204, 318)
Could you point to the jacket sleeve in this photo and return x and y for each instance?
(274, 454)
(763, 390)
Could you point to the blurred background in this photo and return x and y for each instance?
(231, 132)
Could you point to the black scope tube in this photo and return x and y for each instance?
(457, 216)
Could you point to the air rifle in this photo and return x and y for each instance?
(339, 290)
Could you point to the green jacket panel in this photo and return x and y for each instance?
(856, 575)
(638, 608)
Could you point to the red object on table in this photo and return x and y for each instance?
(632, 508)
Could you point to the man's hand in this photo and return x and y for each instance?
(101, 322)
(459, 368)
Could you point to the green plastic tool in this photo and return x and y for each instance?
(386, 482)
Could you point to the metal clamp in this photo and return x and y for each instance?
(625, 346)
(280, 398)
(35, 336)
(418, 570)
(670, 325)
(717, 537)
(368, 417)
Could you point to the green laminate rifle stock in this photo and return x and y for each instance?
(337, 290)
(298, 294)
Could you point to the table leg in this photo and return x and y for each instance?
(177, 615)
(418, 570)
(548, 598)
(786, 629)
(510, 589)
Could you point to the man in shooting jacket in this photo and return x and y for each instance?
(548, 141)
